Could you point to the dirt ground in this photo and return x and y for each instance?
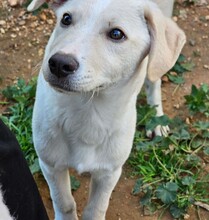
(22, 41)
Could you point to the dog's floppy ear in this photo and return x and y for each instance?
(35, 4)
(167, 40)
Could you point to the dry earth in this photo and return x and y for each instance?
(22, 41)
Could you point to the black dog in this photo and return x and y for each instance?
(20, 193)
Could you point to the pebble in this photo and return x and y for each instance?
(2, 31)
(192, 42)
(175, 18)
(206, 67)
(2, 22)
(173, 74)
(207, 17)
(177, 106)
(13, 35)
(188, 121)
(50, 21)
(21, 23)
(43, 17)
(165, 78)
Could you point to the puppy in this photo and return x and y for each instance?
(95, 64)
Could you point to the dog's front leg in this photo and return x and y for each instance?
(60, 190)
(102, 184)
(154, 98)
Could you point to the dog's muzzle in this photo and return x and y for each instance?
(62, 65)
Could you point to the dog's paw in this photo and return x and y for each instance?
(159, 131)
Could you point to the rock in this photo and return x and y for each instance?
(22, 22)
(206, 67)
(13, 35)
(2, 31)
(175, 18)
(165, 78)
(43, 16)
(14, 3)
(173, 74)
(2, 22)
(40, 52)
(192, 42)
(50, 21)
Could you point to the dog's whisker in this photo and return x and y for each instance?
(36, 68)
(91, 97)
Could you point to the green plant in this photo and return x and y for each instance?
(190, 2)
(198, 100)
(19, 115)
(181, 66)
(170, 168)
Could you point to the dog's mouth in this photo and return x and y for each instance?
(63, 88)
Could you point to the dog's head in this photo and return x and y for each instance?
(96, 43)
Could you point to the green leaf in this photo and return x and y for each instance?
(176, 211)
(155, 121)
(182, 134)
(188, 180)
(146, 199)
(137, 186)
(206, 150)
(75, 184)
(176, 79)
(167, 192)
(188, 66)
(35, 167)
(202, 125)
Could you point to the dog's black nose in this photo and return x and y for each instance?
(62, 65)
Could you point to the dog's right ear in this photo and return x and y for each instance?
(167, 41)
(35, 4)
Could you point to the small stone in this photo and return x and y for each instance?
(165, 78)
(50, 21)
(186, 216)
(22, 22)
(2, 30)
(43, 17)
(177, 106)
(13, 35)
(192, 42)
(206, 67)
(188, 121)
(2, 22)
(40, 52)
(175, 18)
(173, 74)
(14, 3)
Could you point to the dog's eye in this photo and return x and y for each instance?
(116, 34)
(66, 19)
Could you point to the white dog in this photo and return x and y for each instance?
(96, 61)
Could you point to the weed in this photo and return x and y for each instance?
(190, 2)
(170, 168)
(198, 100)
(18, 117)
(179, 68)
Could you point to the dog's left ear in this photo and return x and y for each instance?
(167, 41)
(35, 4)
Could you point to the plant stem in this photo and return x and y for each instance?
(162, 165)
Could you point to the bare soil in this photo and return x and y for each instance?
(23, 37)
